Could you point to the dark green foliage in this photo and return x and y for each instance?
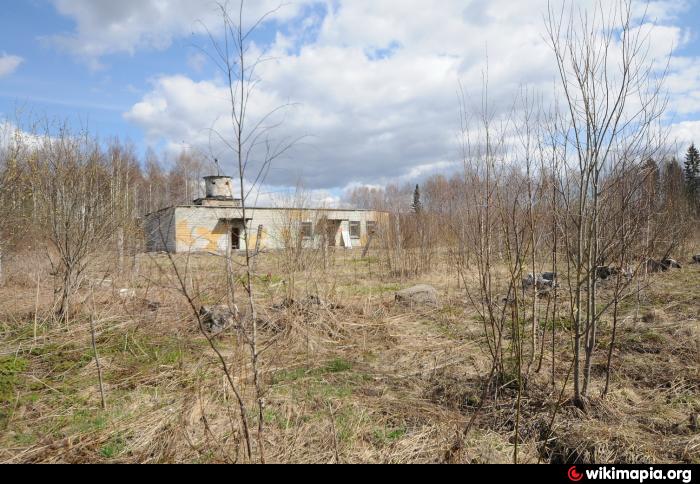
(692, 175)
(417, 204)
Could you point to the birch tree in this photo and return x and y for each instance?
(613, 100)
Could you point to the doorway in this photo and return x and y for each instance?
(236, 238)
(329, 229)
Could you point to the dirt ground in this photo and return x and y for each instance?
(359, 379)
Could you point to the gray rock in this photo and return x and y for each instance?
(422, 295)
(217, 319)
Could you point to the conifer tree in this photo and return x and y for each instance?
(417, 204)
(692, 175)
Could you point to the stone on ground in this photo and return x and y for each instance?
(422, 295)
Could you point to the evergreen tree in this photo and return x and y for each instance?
(417, 204)
(692, 174)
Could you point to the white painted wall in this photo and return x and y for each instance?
(201, 230)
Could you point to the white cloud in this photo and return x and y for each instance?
(683, 83)
(376, 84)
(12, 136)
(106, 27)
(686, 133)
(9, 64)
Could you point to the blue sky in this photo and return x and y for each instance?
(56, 84)
(52, 82)
(375, 80)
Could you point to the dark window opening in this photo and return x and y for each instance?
(307, 230)
(355, 230)
(236, 238)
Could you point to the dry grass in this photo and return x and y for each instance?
(368, 382)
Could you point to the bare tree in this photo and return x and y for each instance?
(253, 148)
(75, 209)
(613, 100)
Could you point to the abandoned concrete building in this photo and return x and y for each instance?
(215, 224)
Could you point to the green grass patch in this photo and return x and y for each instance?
(10, 370)
(347, 423)
(263, 280)
(330, 390)
(86, 421)
(384, 436)
(334, 366)
(338, 366)
(366, 261)
(62, 358)
(334, 380)
(561, 323)
(288, 376)
(273, 417)
(113, 448)
(650, 336)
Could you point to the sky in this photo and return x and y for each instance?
(372, 84)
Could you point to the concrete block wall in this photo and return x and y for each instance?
(159, 228)
(201, 229)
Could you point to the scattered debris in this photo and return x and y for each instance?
(664, 265)
(603, 273)
(544, 283)
(317, 301)
(607, 272)
(217, 319)
(125, 294)
(668, 264)
(311, 301)
(153, 306)
(550, 276)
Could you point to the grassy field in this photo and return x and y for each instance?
(365, 380)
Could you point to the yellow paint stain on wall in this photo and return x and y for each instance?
(200, 237)
(212, 239)
(182, 234)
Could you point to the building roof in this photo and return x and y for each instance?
(310, 209)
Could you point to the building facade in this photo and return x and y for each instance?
(216, 225)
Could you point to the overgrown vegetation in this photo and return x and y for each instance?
(564, 330)
(372, 381)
